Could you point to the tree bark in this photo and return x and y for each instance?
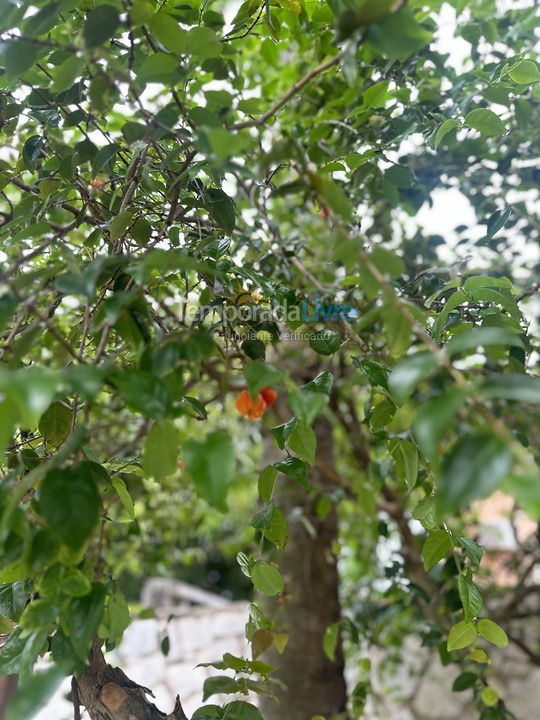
(314, 684)
(108, 694)
(8, 685)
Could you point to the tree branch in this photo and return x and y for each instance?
(291, 93)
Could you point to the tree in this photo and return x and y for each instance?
(179, 195)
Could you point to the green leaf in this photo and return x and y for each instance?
(492, 632)
(169, 33)
(208, 712)
(307, 405)
(123, 493)
(486, 122)
(497, 221)
(43, 21)
(20, 653)
(398, 35)
(144, 393)
(409, 372)
(203, 43)
(330, 641)
(161, 446)
(32, 695)
(239, 710)
(101, 24)
(66, 74)
(39, 615)
(478, 655)
(267, 481)
(74, 583)
(220, 685)
(375, 372)
(512, 386)
(283, 432)
(426, 513)
(461, 635)
(117, 617)
(55, 423)
(454, 301)
(474, 551)
(399, 176)
(157, 68)
(490, 697)
(482, 281)
(435, 417)
(481, 336)
(69, 502)
(322, 383)
(376, 95)
(473, 468)
(13, 599)
(81, 618)
(437, 545)
(303, 442)
(211, 462)
(335, 197)
(443, 130)
(325, 342)
(405, 456)
(464, 681)
(525, 72)
(259, 375)
(267, 579)
(221, 208)
(296, 469)
(470, 597)
(526, 490)
(31, 150)
(19, 56)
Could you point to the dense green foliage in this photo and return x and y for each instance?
(159, 175)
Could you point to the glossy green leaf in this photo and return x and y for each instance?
(325, 342)
(470, 597)
(81, 618)
(485, 121)
(492, 632)
(461, 635)
(267, 579)
(296, 469)
(442, 131)
(437, 545)
(525, 72)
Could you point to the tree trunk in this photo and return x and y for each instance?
(8, 685)
(108, 694)
(314, 684)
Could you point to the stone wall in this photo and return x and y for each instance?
(205, 627)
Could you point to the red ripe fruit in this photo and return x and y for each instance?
(254, 409)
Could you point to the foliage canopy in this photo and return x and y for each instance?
(192, 207)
